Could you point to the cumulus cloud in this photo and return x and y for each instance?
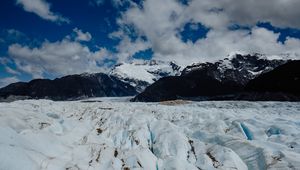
(8, 80)
(42, 9)
(151, 24)
(128, 46)
(281, 13)
(81, 36)
(58, 58)
(158, 27)
(215, 13)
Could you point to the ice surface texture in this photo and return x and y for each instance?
(115, 134)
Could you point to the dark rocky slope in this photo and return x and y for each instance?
(282, 83)
(182, 87)
(238, 68)
(69, 88)
(211, 81)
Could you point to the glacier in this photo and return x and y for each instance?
(113, 133)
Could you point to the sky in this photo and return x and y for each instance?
(53, 38)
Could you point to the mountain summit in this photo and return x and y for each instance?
(206, 80)
(237, 67)
(141, 74)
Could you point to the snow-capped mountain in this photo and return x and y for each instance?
(141, 74)
(124, 79)
(207, 80)
(227, 75)
(239, 68)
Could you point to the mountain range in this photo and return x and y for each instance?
(70, 87)
(236, 77)
(125, 79)
(242, 77)
(236, 68)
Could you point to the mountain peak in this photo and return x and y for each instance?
(235, 67)
(143, 73)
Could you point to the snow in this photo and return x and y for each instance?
(147, 72)
(257, 72)
(282, 56)
(225, 64)
(138, 72)
(112, 133)
(233, 54)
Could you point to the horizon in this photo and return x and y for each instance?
(137, 62)
(149, 84)
(38, 38)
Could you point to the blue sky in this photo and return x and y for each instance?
(98, 20)
(27, 28)
(52, 38)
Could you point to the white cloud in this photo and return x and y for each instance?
(5, 60)
(161, 25)
(42, 9)
(11, 71)
(282, 13)
(57, 58)
(157, 25)
(8, 80)
(15, 33)
(81, 36)
(128, 47)
(12, 35)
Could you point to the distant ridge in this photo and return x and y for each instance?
(237, 77)
(68, 88)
